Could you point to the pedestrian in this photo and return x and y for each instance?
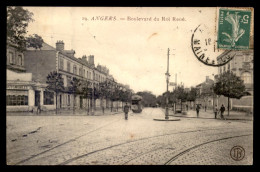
(38, 108)
(198, 110)
(216, 111)
(205, 108)
(126, 110)
(222, 110)
(187, 107)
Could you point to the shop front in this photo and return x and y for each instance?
(27, 96)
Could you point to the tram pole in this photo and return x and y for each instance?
(167, 85)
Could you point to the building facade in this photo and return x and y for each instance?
(22, 92)
(242, 66)
(205, 95)
(27, 75)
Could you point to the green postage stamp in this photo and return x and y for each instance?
(234, 29)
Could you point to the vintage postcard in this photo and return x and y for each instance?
(129, 85)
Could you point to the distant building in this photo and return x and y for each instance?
(205, 96)
(242, 66)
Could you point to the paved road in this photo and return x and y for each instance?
(111, 140)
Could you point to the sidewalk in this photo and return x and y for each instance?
(66, 112)
(233, 115)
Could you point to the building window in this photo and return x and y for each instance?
(16, 98)
(83, 72)
(13, 100)
(68, 80)
(48, 98)
(80, 71)
(11, 58)
(61, 63)
(68, 100)
(20, 60)
(75, 69)
(87, 75)
(68, 66)
(246, 77)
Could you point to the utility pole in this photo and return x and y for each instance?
(167, 84)
(175, 81)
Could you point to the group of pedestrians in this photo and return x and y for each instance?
(216, 111)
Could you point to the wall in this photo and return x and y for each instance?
(40, 63)
(244, 103)
(10, 75)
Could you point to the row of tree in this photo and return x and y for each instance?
(178, 94)
(84, 88)
(227, 84)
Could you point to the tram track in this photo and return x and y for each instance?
(64, 143)
(128, 142)
(185, 151)
(112, 146)
(199, 145)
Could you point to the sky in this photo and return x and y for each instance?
(134, 51)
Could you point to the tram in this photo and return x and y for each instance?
(137, 104)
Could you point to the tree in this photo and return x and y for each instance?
(34, 41)
(55, 83)
(115, 95)
(181, 94)
(75, 88)
(160, 100)
(229, 85)
(109, 93)
(103, 93)
(17, 23)
(86, 91)
(149, 99)
(125, 95)
(192, 95)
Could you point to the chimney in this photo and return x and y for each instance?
(99, 67)
(60, 45)
(84, 58)
(207, 78)
(70, 52)
(91, 60)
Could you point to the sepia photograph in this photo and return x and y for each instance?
(129, 85)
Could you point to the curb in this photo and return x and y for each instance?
(212, 118)
(166, 119)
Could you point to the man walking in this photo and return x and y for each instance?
(222, 110)
(126, 110)
(198, 110)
